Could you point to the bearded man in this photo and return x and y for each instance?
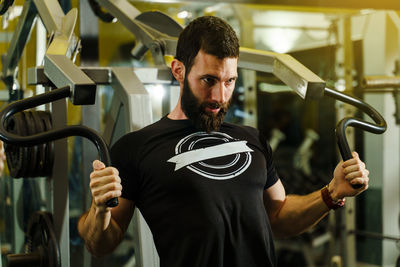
(208, 189)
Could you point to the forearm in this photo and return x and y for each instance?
(294, 214)
(100, 232)
(298, 214)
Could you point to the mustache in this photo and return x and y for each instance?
(215, 105)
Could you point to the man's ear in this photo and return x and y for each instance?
(178, 70)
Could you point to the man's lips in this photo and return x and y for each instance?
(213, 110)
(213, 107)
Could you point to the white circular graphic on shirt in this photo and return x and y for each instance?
(213, 155)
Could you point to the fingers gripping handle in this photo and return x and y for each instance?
(378, 128)
(343, 144)
(105, 158)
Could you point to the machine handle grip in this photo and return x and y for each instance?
(44, 137)
(378, 128)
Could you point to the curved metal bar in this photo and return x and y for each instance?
(44, 137)
(103, 15)
(5, 5)
(378, 128)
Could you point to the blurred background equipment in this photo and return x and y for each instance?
(41, 248)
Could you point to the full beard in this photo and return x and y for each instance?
(196, 110)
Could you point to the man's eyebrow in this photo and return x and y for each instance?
(209, 76)
(216, 77)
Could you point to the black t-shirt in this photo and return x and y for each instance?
(201, 194)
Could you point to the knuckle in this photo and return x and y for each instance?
(113, 186)
(93, 183)
(114, 178)
(95, 192)
(92, 175)
(111, 194)
(114, 171)
(117, 187)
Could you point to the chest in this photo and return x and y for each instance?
(203, 167)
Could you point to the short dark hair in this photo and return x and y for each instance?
(211, 34)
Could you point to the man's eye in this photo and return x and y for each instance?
(209, 80)
(232, 80)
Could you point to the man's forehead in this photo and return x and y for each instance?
(202, 55)
(211, 63)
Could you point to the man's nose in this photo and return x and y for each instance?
(218, 93)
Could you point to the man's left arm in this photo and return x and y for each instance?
(293, 214)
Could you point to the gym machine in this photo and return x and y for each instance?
(309, 86)
(36, 159)
(60, 71)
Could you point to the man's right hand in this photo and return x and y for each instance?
(103, 227)
(105, 184)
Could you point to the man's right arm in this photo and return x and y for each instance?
(102, 227)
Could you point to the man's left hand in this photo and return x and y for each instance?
(346, 174)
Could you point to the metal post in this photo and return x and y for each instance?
(391, 146)
(249, 76)
(89, 31)
(135, 111)
(348, 218)
(18, 236)
(60, 183)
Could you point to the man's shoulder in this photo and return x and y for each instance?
(153, 127)
(145, 132)
(138, 136)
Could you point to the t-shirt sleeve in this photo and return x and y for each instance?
(122, 159)
(272, 174)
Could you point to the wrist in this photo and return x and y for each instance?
(101, 211)
(333, 194)
(331, 201)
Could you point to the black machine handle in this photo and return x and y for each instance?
(5, 5)
(378, 128)
(52, 135)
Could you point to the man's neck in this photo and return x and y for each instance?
(177, 113)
